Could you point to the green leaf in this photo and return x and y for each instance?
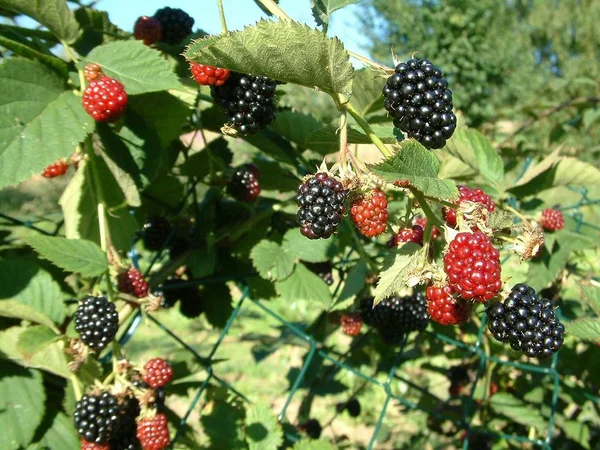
(500, 220)
(61, 434)
(571, 171)
(73, 255)
(217, 304)
(284, 51)
(263, 432)
(591, 295)
(40, 122)
(22, 408)
(327, 140)
(475, 150)
(302, 284)
(223, 425)
(140, 68)
(366, 88)
(310, 444)
(271, 261)
(16, 310)
(311, 251)
(24, 282)
(202, 262)
(355, 281)
(295, 126)
(26, 51)
(322, 9)
(536, 170)
(398, 267)
(53, 14)
(587, 328)
(420, 167)
(35, 338)
(577, 431)
(518, 411)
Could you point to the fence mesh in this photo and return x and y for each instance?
(316, 349)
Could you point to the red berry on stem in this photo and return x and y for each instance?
(153, 433)
(57, 169)
(132, 282)
(470, 195)
(473, 267)
(552, 220)
(369, 213)
(444, 308)
(422, 222)
(157, 372)
(147, 29)
(414, 234)
(105, 99)
(208, 75)
(351, 323)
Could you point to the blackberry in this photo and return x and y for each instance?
(321, 201)
(104, 99)
(248, 100)
(323, 269)
(96, 416)
(312, 428)
(420, 103)
(527, 323)
(157, 372)
(176, 24)
(353, 407)
(132, 282)
(156, 232)
(153, 432)
(244, 185)
(97, 322)
(124, 433)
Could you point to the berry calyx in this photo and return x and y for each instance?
(414, 234)
(244, 185)
(156, 232)
(248, 100)
(92, 72)
(471, 195)
(527, 322)
(208, 75)
(59, 168)
(85, 445)
(97, 322)
(153, 433)
(552, 220)
(444, 308)
(176, 24)
(105, 99)
(95, 417)
(157, 372)
(420, 103)
(351, 324)
(422, 222)
(369, 213)
(321, 201)
(147, 29)
(132, 282)
(472, 265)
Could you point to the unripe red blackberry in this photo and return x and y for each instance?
(105, 99)
(176, 24)
(208, 75)
(153, 433)
(132, 282)
(422, 222)
(472, 265)
(414, 234)
(420, 103)
(59, 168)
(472, 195)
(552, 220)
(369, 212)
(92, 72)
(444, 308)
(148, 29)
(527, 322)
(96, 416)
(97, 322)
(248, 100)
(351, 324)
(157, 372)
(156, 232)
(85, 445)
(244, 185)
(321, 201)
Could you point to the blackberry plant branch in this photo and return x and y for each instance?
(222, 16)
(431, 216)
(343, 139)
(367, 129)
(370, 63)
(274, 9)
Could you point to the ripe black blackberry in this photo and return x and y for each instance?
(420, 103)
(176, 24)
(156, 232)
(244, 185)
(321, 201)
(248, 100)
(396, 316)
(96, 417)
(97, 322)
(323, 269)
(124, 433)
(527, 323)
(312, 428)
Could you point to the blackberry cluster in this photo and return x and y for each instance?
(96, 416)
(248, 100)
(244, 185)
(396, 316)
(419, 101)
(176, 24)
(321, 201)
(156, 232)
(527, 323)
(124, 434)
(97, 322)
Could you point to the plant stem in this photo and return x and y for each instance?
(343, 138)
(442, 202)
(431, 217)
(222, 15)
(76, 387)
(274, 9)
(367, 129)
(369, 62)
(69, 52)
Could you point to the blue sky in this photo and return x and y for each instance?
(238, 13)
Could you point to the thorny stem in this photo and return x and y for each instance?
(274, 9)
(431, 217)
(222, 15)
(367, 129)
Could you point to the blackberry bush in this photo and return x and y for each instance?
(97, 322)
(420, 103)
